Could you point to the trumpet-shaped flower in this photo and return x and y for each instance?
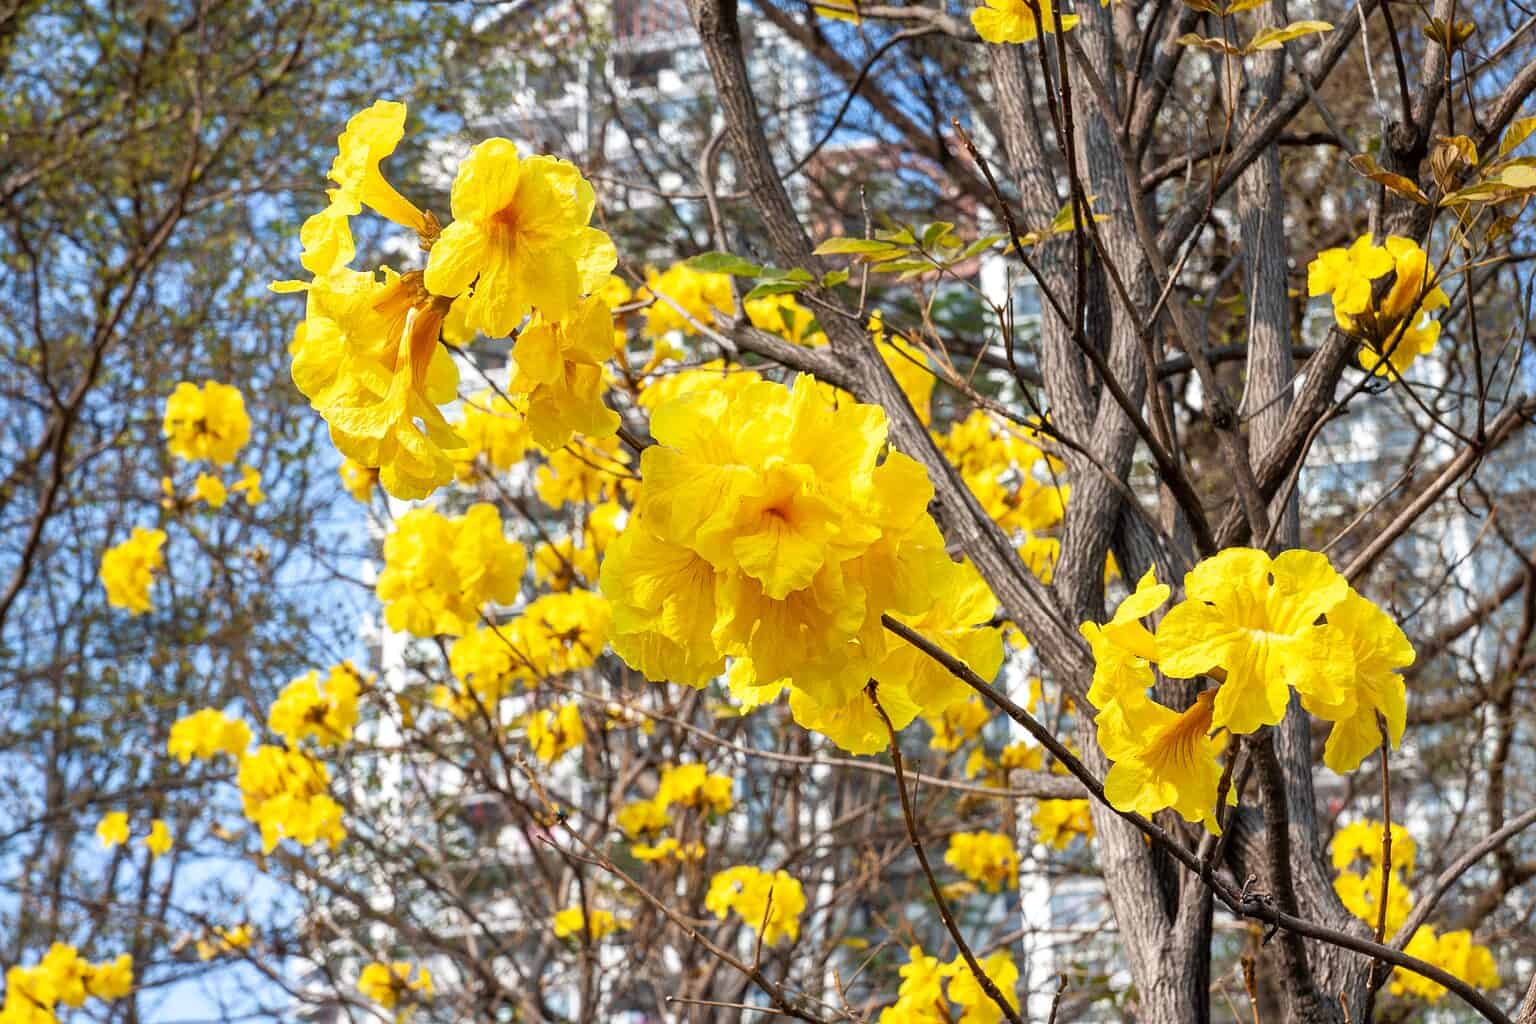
(1165, 759)
(112, 829)
(1014, 21)
(519, 241)
(560, 368)
(1257, 619)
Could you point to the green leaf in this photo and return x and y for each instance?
(724, 263)
(832, 278)
(765, 288)
(934, 232)
(981, 245)
(851, 246)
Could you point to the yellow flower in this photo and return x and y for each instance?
(784, 316)
(1403, 329)
(1362, 840)
(1163, 758)
(958, 724)
(668, 848)
(1012, 21)
(583, 473)
(112, 829)
(560, 633)
(907, 364)
(439, 573)
(128, 569)
(494, 428)
(207, 733)
(984, 857)
(1347, 274)
(390, 984)
(966, 991)
(1058, 822)
(284, 793)
(1398, 329)
(520, 237)
(1020, 755)
(110, 979)
(159, 839)
(768, 903)
(715, 375)
(1454, 952)
(700, 295)
(596, 926)
(560, 369)
(1256, 618)
(304, 709)
(206, 424)
(552, 732)
(1380, 648)
(642, 818)
(768, 528)
(358, 480)
(249, 485)
(370, 136)
(368, 358)
(691, 785)
(210, 489)
(223, 941)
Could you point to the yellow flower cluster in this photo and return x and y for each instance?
(700, 295)
(958, 724)
(206, 424)
(555, 634)
(1058, 822)
(128, 569)
(560, 563)
(584, 474)
(285, 793)
(767, 527)
(392, 984)
(33, 994)
(327, 713)
(1397, 329)
(987, 858)
(596, 926)
(369, 354)
(1014, 481)
(210, 424)
(784, 316)
(686, 786)
(767, 902)
(207, 733)
(922, 997)
(1360, 892)
(907, 364)
(1270, 625)
(440, 572)
(553, 731)
(495, 430)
